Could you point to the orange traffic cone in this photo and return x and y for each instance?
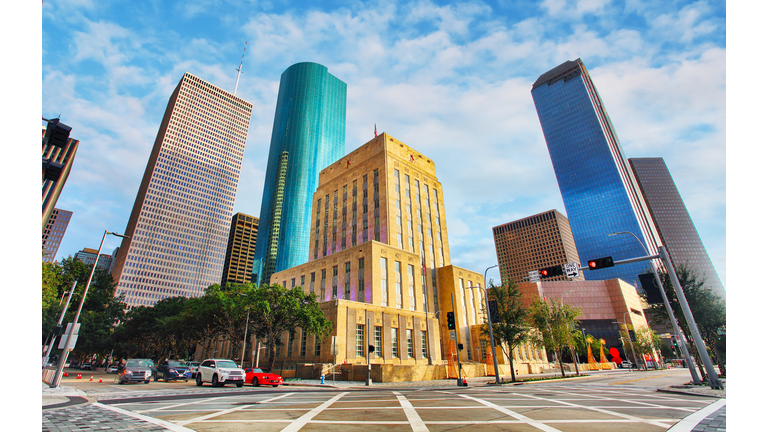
(79, 376)
(465, 382)
(91, 378)
(101, 378)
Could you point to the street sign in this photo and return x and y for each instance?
(63, 339)
(533, 276)
(453, 336)
(571, 269)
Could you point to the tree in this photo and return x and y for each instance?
(52, 274)
(646, 341)
(276, 310)
(707, 308)
(513, 329)
(230, 306)
(555, 325)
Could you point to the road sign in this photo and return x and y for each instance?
(533, 276)
(571, 269)
(72, 342)
(453, 336)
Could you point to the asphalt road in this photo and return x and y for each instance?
(619, 400)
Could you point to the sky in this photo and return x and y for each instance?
(450, 79)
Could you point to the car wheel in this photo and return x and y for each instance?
(198, 381)
(274, 386)
(215, 381)
(146, 382)
(255, 382)
(239, 384)
(121, 382)
(186, 380)
(155, 378)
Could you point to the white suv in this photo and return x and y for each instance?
(219, 372)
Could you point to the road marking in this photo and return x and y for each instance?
(417, 424)
(226, 411)
(641, 379)
(177, 405)
(690, 422)
(605, 411)
(511, 413)
(163, 423)
(303, 420)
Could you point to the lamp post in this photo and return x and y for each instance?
(573, 354)
(670, 314)
(58, 324)
(631, 345)
(245, 338)
(65, 353)
(490, 324)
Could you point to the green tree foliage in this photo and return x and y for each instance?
(276, 310)
(52, 273)
(555, 324)
(646, 341)
(513, 328)
(707, 308)
(101, 310)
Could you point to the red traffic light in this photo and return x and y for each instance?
(600, 263)
(550, 272)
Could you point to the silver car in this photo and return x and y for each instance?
(136, 371)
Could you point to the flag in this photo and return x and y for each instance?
(375, 134)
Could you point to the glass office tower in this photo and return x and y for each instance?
(599, 192)
(307, 136)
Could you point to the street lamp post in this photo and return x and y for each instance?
(58, 324)
(65, 353)
(490, 324)
(245, 338)
(670, 314)
(631, 345)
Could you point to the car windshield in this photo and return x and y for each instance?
(177, 364)
(137, 364)
(228, 364)
(257, 370)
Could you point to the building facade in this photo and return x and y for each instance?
(88, 257)
(180, 221)
(533, 243)
(307, 136)
(598, 189)
(53, 233)
(379, 262)
(673, 221)
(605, 306)
(238, 265)
(52, 188)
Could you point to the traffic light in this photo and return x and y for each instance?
(493, 311)
(56, 133)
(461, 347)
(675, 343)
(371, 348)
(632, 336)
(450, 320)
(600, 263)
(551, 272)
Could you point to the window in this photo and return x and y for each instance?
(398, 286)
(384, 290)
(361, 279)
(361, 340)
(395, 351)
(412, 286)
(409, 342)
(347, 266)
(424, 343)
(303, 343)
(290, 345)
(377, 341)
(317, 346)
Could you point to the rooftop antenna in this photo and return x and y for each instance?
(240, 68)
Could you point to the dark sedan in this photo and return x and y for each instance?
(136, 371)
(172, 370)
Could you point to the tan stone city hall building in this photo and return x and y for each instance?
(379, 262)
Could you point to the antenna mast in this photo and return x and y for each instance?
(240, 68)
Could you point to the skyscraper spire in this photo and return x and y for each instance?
(239, 69)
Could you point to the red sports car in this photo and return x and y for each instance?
(257, 377)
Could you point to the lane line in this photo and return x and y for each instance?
(605, 411)
(690, 422)
(226, 411)
(417, 424)
(630, 401)
(303, 420)
(529, 421)
(163, 423)
(177, 405)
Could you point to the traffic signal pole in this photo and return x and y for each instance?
(714, 382)
(456, 333)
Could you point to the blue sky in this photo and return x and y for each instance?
(450, 79)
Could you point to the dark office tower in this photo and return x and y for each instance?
(180, 220)
(533, 243)
(672, 220)
(597, 186)
(238, 265)
(61, 157)
(53, 232)
(307, 136)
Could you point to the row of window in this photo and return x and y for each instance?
(361, 350)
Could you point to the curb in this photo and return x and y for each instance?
(689, 393)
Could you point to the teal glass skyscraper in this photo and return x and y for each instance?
(598, 189)
(307, 136)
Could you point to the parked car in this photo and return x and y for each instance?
(112, 368)
(257, 377)
(86, 366)
(628, 365)
(172, 370)
(136, 370)
(219, 372)
(192, 366)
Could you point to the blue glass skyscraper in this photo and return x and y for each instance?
(599, 191)
(307, 136)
